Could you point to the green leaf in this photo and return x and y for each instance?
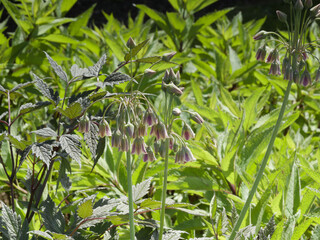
(65, 6)
(2, 89)
(176, 21)
(73, 111)
(197, 92)
(17, 143)
(197, 5)
(53, 220)
(45, 132)
(57, 68)
(99, 151)
(82, 21)
(135, 51)
(301, 229)
(20, 86)
(43, 151)
(150, 204)
(115, 46)
(59, 38)
(30, 107)
(93, 71)
(141, 189)
(153, 59)
(85, 209)
(71, 144)
(293, 192)
(11, 221)
(234, 60)
(116, 78)
(45, 90)
(41, 234)
(229, 102)
(91, 138)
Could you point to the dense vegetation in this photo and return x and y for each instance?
(157, 128)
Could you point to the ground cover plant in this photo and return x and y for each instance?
(166, 127)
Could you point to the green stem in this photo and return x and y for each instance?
(129, 176)
(164, 189)
(263, 164)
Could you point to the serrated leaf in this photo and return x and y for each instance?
(150, 203)
(91, 138)
(78, 72)
(45, 132)
(71, 144)
(17, 143)
(116, 78)
(45, 90)
(100, 95)
(53, 220)
(135, 50)
(24, 154)
(99, 151)
(21, 85)
(2, 89)
(11, 221)
(72, 111)
(41, 234)
(85, 209)
(29, 107)
(60, 236)
(94, 70)
(141, 189)
(43, 151)
(57, 68)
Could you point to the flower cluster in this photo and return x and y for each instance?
(294, 65)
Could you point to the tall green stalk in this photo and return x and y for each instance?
(263, 164)
(129, 176)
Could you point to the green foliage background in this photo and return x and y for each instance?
(223, 83)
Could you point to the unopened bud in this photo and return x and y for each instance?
(281, 16)
(188, 155)
(167, 56)
(305, 78)
(187, 132)
(149, 156)
(130, 43)
(260, 35)
(149, 72)
(138, 146)
(166, 77)
(173, 89)
(273, 56)
(129, 128)
(176, 112)
(159, 131)
(298, 6)
(196, 117)
(176, 81)
(162, 149)
(261, 53)
(308, 3)
(275, 68)
(104, 129)
(149, 117)
(296, 76)
(116, 138)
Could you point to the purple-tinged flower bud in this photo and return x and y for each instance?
(167, 56)
(149, 156)
(261, 53)
(82, 125)
(305, 78)
(104, 129)
(176, 81)
(260, 35)
(285, 64)
(173, 89)
(130, 43)
(304, 55)
(166, 77)
(162, 149)
(296, 76)
(188, 155)
(314, 11)
(116, 138)
(281, 16)
(317, 75)
(275, 68)
(149, 72)
(298, 6)
(301, 65)
(171, 142)
(176, 112)
(196, 117)
(156, 146)
(159, 131)
(308, 3)
(288, 75)
(149, 118)
(172, 75)
(129, 128)
(180, 155)
(187, 132)
(138, 146)
(273, 56)
(124, 144)
(141, 130)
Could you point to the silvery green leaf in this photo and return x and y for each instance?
(78, 72)
(94, 70)
(91, 138)
(71, 144)
(57, 68)
(3, 114)
(141, 189)
(29, 107)
(43, 151)
(45, 90)
(24, 154)
(2, 89)
(42, 234)
(21, 85)
(45, 132)
(116, 78)
(11, 221)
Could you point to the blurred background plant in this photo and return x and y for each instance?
(222, 81)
